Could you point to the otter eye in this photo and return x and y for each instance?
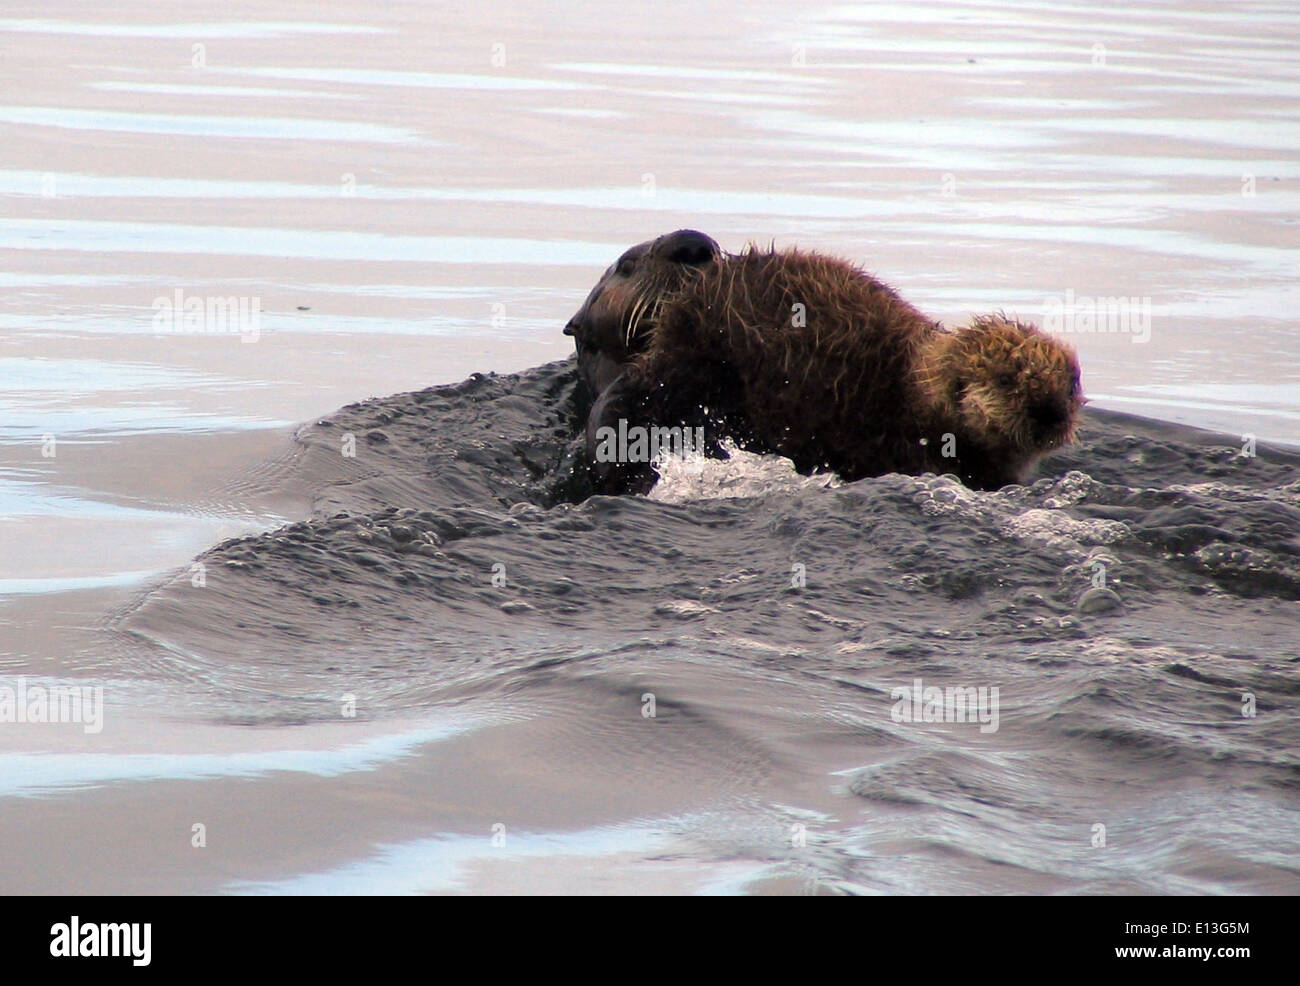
(1006, 379)
(624, 268)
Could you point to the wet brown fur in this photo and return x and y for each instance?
(864, 384)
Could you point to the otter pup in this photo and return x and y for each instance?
(808, 356)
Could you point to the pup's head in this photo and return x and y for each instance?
(1007, 382)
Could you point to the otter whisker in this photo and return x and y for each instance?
(633, 319)
(656, 311)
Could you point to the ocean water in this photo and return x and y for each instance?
(390, 646)
(751, 628)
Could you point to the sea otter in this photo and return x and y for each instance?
(611, 325)
(809, 356)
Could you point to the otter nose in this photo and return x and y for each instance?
(1048, 414)
(689, 246)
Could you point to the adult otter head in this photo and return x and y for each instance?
(614, 322)
(1006, 382)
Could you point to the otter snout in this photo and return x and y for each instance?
(1051, 422)
(1048, 415)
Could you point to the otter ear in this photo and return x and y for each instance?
(690, 247)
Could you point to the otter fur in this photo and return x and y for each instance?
(810, 357)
